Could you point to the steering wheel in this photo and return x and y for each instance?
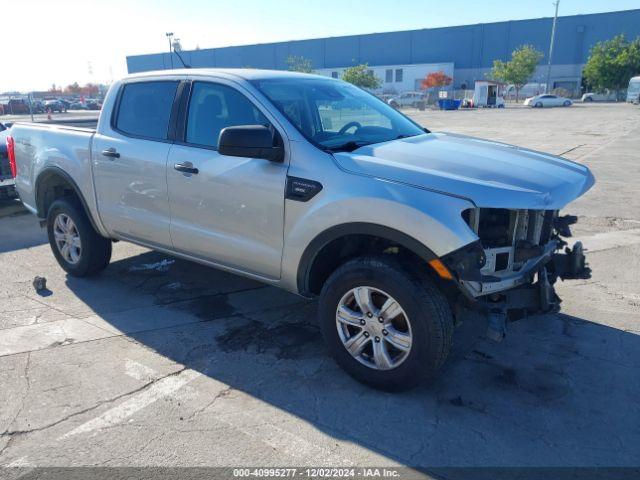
(347, 126)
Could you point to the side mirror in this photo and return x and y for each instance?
(251, 141)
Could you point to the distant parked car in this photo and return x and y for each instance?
(14, 106)
(54, 106)
(548, 100)
(93, 105)
(77, 106)
(407, 99)
(37, 106)
(598, 97)
(385, 97)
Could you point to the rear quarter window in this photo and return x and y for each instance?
(145, 108)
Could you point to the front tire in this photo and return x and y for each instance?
(538, 105)
(386, 325)
(78, 248)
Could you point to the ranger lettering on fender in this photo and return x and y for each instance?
(301, 189)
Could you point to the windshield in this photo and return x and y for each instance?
(335, 115)
(634, 86)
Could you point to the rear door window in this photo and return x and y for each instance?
(145, 109)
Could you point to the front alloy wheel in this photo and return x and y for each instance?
(374, 328)
(385, 322)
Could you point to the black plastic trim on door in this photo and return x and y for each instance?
(181, 117)
(175, 120)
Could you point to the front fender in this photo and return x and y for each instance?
(431, 220)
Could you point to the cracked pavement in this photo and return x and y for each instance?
(161, 362)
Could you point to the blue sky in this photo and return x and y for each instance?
(286, 19)
(88, 40)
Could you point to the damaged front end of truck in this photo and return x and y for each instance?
(510, 272)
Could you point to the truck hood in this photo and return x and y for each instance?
(490, 174)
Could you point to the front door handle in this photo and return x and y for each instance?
(186, 168)
(110, 152)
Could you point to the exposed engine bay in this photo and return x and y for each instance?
(510, 271)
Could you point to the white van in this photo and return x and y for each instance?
(633, 92)
(528, 90)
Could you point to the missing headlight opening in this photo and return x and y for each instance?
(510, 271)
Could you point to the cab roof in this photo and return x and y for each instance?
(243, 73)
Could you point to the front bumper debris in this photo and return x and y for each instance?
(508, 282)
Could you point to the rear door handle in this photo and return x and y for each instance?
(111, 152)
(186, 168)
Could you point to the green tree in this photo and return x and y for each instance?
(519, 69)
(297, 63)
(361, 76)
(612, 63)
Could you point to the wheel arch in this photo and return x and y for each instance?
(52, 183)
(327, 250)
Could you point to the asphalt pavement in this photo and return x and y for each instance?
(162, 362)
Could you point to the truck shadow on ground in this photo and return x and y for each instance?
(558, 391)
(18, 229)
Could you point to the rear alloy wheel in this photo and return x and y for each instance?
(385, 323)
(78, 248)
(67, 238)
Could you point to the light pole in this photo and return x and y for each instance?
(169, 36)
(30, 106)
(553, 36)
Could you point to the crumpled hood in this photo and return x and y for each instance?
(491, 174)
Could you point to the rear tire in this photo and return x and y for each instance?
(78, 248)
(425, 317)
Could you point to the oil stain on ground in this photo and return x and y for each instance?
(287, 341)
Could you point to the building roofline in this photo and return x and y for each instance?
(357, 35)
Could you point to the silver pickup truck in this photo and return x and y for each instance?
(313, 185)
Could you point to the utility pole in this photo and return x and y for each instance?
(169, 36)
(553, 36)
(30, 106)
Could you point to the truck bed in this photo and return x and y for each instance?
(43, 145)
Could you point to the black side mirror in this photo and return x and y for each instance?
(251, 141)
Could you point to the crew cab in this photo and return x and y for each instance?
(315, 186)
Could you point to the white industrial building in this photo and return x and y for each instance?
(398, 78)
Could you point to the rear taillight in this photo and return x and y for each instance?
(11, 153)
